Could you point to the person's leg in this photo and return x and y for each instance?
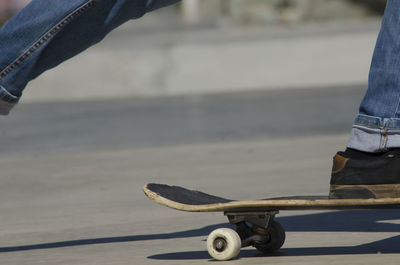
(47, 32)
(377, 127)
(370, 167)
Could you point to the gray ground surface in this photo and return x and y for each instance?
(154, 122)
(71, 177)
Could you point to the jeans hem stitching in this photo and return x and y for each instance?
(45, 38)
(374, 126)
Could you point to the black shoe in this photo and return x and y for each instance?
(362, 175)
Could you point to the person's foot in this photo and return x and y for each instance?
(363, 175)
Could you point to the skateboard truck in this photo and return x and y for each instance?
(260, 219)
(254, 228)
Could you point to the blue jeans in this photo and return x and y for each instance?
(48, 32)
(377, 126)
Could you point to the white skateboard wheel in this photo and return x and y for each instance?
(224, 244)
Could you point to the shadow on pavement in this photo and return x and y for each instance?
(338, 221)
(343, 221)
(385, 246)
(107, 240)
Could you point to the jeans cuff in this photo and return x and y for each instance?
(7, 101)
(374, 134)
(377, 122)
(7, 96)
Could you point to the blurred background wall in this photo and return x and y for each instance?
(254, 11)
(278, 11)
(207, 46)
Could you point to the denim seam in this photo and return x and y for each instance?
(384, 139)
(45, 38)
(396, 112)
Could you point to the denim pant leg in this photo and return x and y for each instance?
(48, 32)
(377, 127)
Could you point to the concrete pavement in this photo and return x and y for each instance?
(87, 207)
(154, 122)
(71, 177)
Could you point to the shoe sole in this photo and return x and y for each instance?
(364, 191)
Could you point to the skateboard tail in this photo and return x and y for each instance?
(161, 200)
(180, 206)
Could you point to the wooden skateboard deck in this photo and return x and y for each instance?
(182, 199)
(254, 219)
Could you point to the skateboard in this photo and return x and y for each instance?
(254, 219)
